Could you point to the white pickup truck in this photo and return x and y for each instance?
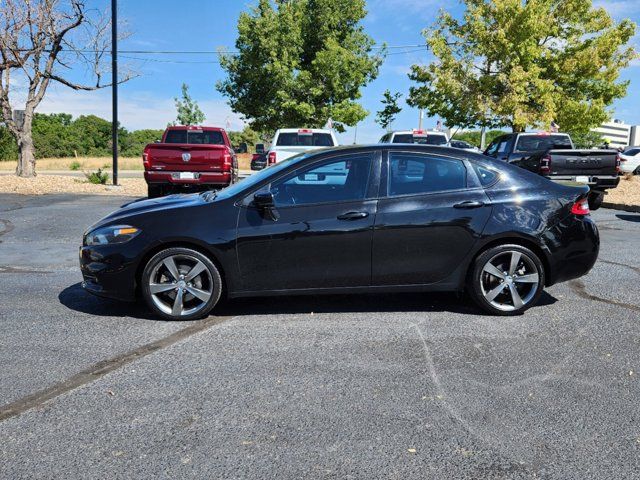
(425, 137)
(288, 142)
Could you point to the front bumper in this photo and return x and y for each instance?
(108, 271)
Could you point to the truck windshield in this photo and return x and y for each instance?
(422, 140)
(294, 139)
(534, 143)
(195, 137)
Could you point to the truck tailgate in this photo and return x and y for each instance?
(183, 157)
(583, 162)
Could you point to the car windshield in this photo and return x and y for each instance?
(295, 139)
(420, 139)
(195, 137)
(259, 176)
(533, 143)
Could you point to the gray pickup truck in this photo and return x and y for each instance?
(553, 156)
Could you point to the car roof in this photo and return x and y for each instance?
(415, 147)
(195, 127)
(411, 132)
(296, 130)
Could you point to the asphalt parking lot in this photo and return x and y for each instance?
(385, 386)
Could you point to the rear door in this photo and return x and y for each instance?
(428, 220)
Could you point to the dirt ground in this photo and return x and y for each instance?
(627, 192)
(47, 184)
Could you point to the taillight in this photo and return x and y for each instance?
(146, 159)
(272, 158)
(581, 207)
(226, 162)
(618, 161)
(545, 165)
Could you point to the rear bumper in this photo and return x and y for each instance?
(201, 178)
(574, 245)
(595, 182)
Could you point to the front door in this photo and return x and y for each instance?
(428, 221)
(323, 236)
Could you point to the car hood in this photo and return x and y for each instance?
(143, 206)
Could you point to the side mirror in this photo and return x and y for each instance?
(266, 204)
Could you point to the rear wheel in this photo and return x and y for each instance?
(181, 284)
(154, 191)
(595, 200)
(507, 279)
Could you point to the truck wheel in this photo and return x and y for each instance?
(595, 200)
(154, 191)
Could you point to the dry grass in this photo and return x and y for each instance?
(627, 192)
(94, 163)
(86, 163)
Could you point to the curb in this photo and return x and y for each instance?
(622, 206)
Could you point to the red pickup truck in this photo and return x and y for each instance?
(189, 158)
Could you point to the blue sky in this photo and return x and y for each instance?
(147, 101)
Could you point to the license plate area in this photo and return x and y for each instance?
(582, 179)
(185, 176)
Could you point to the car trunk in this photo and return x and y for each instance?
(182, 157)
(583, 162)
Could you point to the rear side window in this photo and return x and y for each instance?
(195, 137)
(294, 139)
(486, 176)
(414, 174)
(533, 143)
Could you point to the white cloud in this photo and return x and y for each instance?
(137, 110)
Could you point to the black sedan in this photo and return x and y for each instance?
(350, 219)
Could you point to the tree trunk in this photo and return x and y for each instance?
(26, 152)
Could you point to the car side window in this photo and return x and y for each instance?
(335, 180)
(492, 149)
(485, 175)
(414, 174)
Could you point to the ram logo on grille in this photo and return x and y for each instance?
(186, 157)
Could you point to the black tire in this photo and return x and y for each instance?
(154, 191)
(595, 200)
(163, 303)
(636, 171)
(481, 283)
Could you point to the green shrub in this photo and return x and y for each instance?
(75, 166)
(98, 178)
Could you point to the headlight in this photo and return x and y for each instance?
(111, 235)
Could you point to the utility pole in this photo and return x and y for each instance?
(420, 119)
(114, 87)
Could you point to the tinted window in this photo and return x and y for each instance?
(492, 149)
(422, 140)
(632, 152)
(331, 181)
(485, 175)
(460, 144)
(411, 174)
(532, 143)
(294, 139)
(195, 137)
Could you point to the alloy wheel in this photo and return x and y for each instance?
(509, 280)
(180, 285)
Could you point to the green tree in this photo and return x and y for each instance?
(474, 136)
(300, 63)
(387, 115)
(132, 143)
(587, 140)
(189, 112)
(515, 63)
(247, 135)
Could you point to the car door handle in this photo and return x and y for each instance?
(469, 204)
(353, 216)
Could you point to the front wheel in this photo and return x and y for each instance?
(507, 280)
(181, 284)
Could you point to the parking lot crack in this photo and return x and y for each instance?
(104, 367)
(579, 288)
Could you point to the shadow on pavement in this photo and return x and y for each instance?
(75, 298)
(628, 218)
